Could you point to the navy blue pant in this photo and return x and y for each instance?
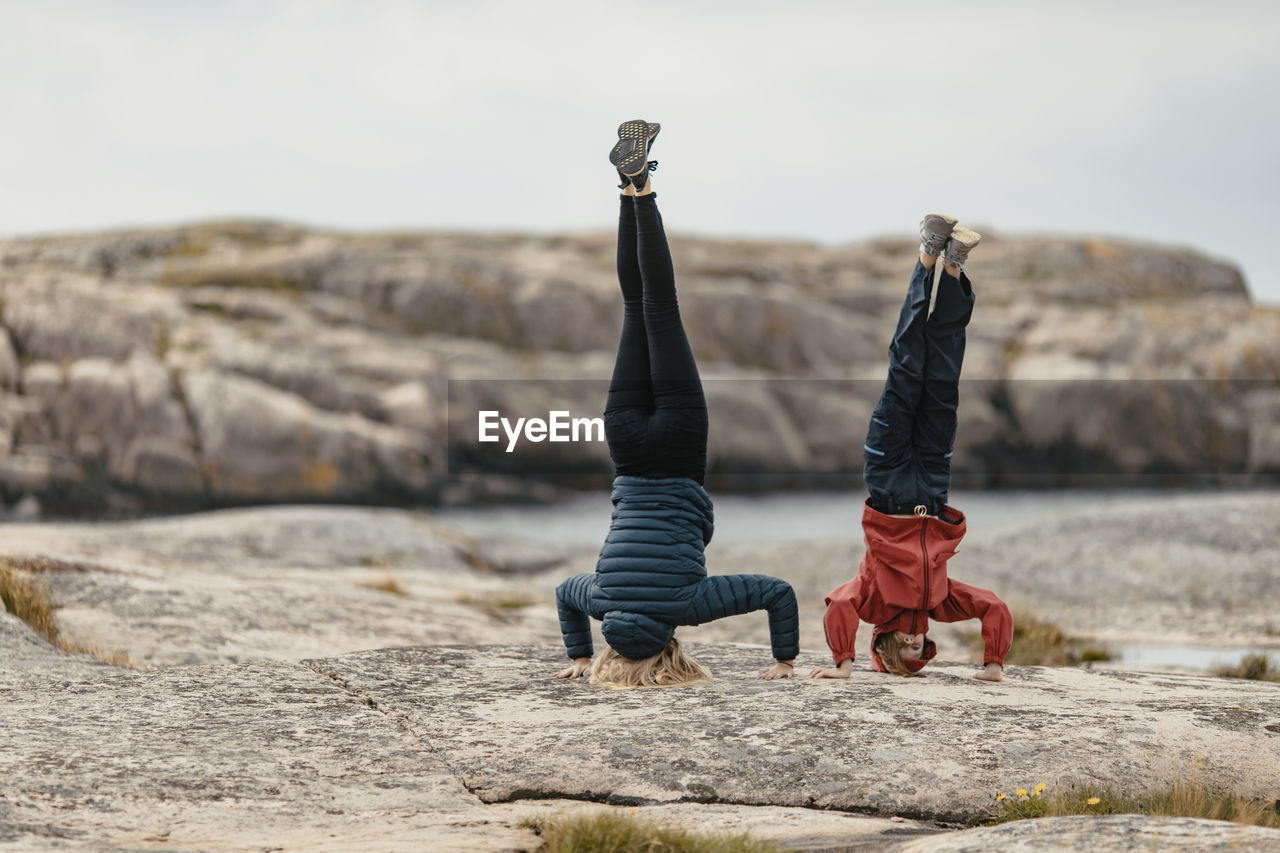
(655, 418)
(913, 429)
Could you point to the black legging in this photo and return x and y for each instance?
(913, 429)
(655, 419)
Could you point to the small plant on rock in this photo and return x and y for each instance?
(612, 832)
(1040, 643)
(1186, 797)
(1253, 668)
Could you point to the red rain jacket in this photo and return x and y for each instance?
(902, 582)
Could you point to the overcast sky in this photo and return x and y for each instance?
(831, 121)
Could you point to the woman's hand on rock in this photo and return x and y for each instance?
(580, 665)
(990, 672)
(781, 669)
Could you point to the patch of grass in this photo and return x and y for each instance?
(1189, 797)
(500, 604)
(190, 245)
(1252, 667)
(611, 832)
(24, 590)
(386, 583)
(27, 597)
(164, 339)
(1040, 643)
(384, 560)
(243, 279)
(215, 308)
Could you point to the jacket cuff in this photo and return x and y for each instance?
(841, 657)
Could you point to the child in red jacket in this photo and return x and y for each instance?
(910, 530)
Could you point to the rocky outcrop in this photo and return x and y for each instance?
(239, 363)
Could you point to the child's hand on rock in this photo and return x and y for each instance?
(844, 670)
(990, 672)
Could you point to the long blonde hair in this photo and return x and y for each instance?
(670, 667)
(890, 652)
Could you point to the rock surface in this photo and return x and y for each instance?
(239, 363)
(1113, 832)
(227, 758)
(271, 712)
(936, 748)
(452, 747)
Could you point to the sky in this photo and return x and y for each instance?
(830, 122)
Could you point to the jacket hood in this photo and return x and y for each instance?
(634, 635)
(930, 649)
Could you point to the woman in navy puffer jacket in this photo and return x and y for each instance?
(652, 575)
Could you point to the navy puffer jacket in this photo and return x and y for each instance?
(652, 576)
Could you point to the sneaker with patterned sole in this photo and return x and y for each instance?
(630, 156)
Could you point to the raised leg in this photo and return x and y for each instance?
(679, 425)
(889, 471)
(936, 416)
(630, 400)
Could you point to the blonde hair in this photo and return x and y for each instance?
(890, 652)
(670, 667)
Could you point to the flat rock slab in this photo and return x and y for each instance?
(249, 757)
(1115, 833)
(236, 586)
(28, 659)
(936, 748)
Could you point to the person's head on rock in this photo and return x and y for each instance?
(901, 653)
(643, 652)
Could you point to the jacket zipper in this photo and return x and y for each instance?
(924, 551)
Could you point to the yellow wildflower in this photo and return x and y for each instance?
(1022, 793)
(1093, 801)
(1000, 797)
(1040, 788)
(633, 810)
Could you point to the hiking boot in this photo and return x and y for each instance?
(935, 228)
(959, 245)
(630, 156)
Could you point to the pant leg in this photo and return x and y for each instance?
(678, 428)
(935, 429)
(890, 467)
(629, 405)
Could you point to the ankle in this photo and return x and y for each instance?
(952, 270)
(648, 188)
(927, 261)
